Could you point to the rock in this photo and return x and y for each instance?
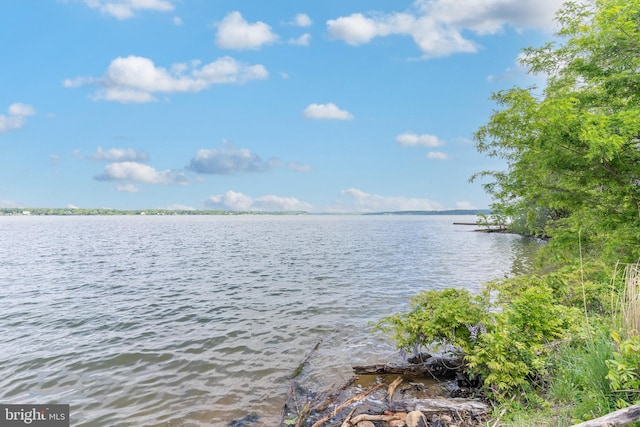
(416, 419)
(396, 423)
(365, 424)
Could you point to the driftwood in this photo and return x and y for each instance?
(344, 405)
(442, 406)
(435, 367)
(620, 417)
(367, 417)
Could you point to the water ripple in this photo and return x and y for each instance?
(198, 321)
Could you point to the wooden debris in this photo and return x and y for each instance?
(435, 367)
(621, 417)
(347, 421)
(368, 417)
(345, 404)
(392, 388)
(443, 406)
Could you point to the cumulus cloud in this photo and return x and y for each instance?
(328, 111)
(127, 188)
(135, 79)
(120, 155)
(366, 202)
(437, 155)
(229, 160)
(303, 40)
(21, 110)
(140, 173)
(437, 26)
(233, 200)
(234, 32)
(125, 9)
(16, 118)
(413, 140)
(302, 20)
(177, 21)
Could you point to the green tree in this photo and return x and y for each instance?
(572, 149)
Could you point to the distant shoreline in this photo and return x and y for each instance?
(93, 212)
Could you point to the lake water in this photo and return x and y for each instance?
(200, 320)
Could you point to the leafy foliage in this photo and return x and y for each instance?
(624, 370)
(436, 317)
(572, 152)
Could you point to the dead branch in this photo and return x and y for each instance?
(345, 404)
(621, 417)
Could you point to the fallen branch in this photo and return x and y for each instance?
(442, 406)
(435, 367)
(367, 417)
(392, 387)
(347, 421)
(300, 367)
(304, 412)
(345, 404)
(621, 417)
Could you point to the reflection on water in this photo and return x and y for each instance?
(195, 321)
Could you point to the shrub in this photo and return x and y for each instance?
(447, 316)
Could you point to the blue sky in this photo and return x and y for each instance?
(322, 106)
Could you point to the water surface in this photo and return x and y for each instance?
(200, 320)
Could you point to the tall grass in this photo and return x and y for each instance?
(626, 311)
(579, 376)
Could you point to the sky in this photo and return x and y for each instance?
(316, 105)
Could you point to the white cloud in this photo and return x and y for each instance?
(135, 79)
(177, 21)
(230, 200)
(120, 155)
(328, 111)
(365, 202)
(138, 172)
(355, 29)
(278, 203)
(234, 32)
(302, 20)
(437, 26)
(127, 188)
(230, 160)
(21, 110)
(413, 140)
(17, 117)
(125, 9)
(303, 40)
(437, 155)
(237, 201)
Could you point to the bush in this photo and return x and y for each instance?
(504, 343)
(449, 316)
